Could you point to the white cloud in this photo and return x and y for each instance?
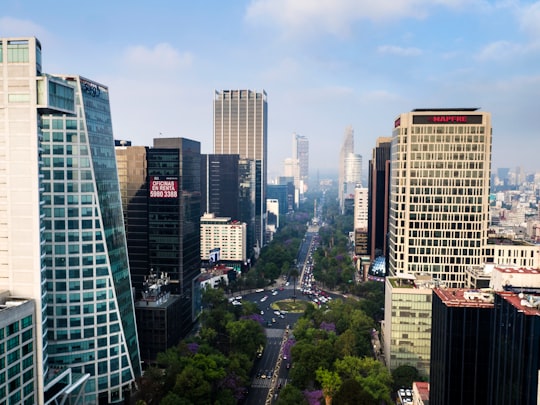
(14, 27)
(306, 17)
(529, 18)
(161, 57)
(507, 51)
(399, 51)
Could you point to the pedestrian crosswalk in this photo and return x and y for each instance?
(267, 382)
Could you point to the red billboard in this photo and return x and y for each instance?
(163, 187)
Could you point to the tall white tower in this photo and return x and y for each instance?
(439, 198)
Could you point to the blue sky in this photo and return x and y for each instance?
(325, 64)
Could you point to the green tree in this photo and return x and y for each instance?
(245, 336)
(373, 376)
(352, 393)
(173, 399)
(330, 382)
(404, 376)
(290, 394)
(151, 385)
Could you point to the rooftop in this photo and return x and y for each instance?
(517, 270)
(526, 303)
(508, 242)
(445, 109)
(458, 297)
(423, 389)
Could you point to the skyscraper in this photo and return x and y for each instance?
(161, 196)
(240, 127)
(347, 148)
(440, 173)
(301, 152)
(174, 219)
(461, 334)
(350, 171)
(379, 191)
(62, 239)
(220, 185)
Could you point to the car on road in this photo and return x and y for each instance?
(288, 366)
(262, 312)
(274, 293)
(264, 298)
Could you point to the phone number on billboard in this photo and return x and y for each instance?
(163, 193)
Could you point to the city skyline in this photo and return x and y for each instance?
(325, 65)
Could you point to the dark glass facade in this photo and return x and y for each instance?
(379, 173)
(158, 326)
(278, 192)
(131, 162)
(460, 341)
(515, 353)
(174, 220)
(220, 185)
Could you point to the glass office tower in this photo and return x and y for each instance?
(62, 240)
(91, 315)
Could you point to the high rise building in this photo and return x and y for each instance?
(225, 234)
(132, 176)
(18, 356)
(406, 327)
(174, 206)
(347, 148)
(514, 354)
(220, 185)
(241, 128)
(460, 340)
(291, 168)
(379, 196)
(439, 200)
(280, 192)
(361, 202)
(160, 188)
(350, 172)
(62, 239)
(300, 152)
(484, 342)
(353, 180)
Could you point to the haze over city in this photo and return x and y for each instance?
(324, 64)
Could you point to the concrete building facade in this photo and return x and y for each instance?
(439, 198)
